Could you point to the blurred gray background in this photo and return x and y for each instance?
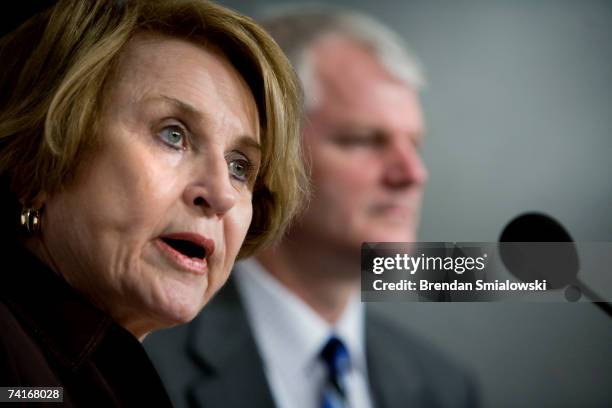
(519, 109)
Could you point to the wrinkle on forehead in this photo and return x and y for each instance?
(342, 63)
(357, 89)
(153, 64)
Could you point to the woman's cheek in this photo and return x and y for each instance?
(240, 223)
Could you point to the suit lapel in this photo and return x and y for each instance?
(222, 343)
(394, 381)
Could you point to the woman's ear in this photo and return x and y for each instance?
(39, 201)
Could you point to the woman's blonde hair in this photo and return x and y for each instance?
(55, 67)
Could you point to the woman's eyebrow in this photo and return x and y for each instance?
(184, 107)
(190, 110)
(250, 143)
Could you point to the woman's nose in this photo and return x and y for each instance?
(211, 190)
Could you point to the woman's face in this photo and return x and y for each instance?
(152, 225)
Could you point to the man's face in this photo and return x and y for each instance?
(362, 139)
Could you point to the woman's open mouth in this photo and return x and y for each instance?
(188, 251)
(187, 248)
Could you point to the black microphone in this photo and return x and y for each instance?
(557, 263)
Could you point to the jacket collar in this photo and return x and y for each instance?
(64, 321)
(221, 340)
(395, 377)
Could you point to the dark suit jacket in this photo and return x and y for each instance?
(214, 362)
(50, 336)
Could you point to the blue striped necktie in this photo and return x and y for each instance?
(336, 359)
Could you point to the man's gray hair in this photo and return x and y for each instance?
(297, 28)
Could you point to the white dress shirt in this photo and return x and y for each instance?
(290, 336)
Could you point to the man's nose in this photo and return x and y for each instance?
(404, 166)
(211, 190)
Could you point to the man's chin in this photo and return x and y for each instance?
(388, 233)
(352, 242)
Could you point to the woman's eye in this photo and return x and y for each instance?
(174, 136)
(240, 169)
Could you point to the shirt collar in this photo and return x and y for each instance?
(351, 330)
(290, 333)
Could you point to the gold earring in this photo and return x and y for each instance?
(30, 220)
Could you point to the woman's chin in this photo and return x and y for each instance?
(165, 318)
(176, 307)
(181, 313)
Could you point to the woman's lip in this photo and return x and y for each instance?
(207, 244)
(193, 265)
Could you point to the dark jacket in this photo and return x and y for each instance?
(214, 362)
(50, 336)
